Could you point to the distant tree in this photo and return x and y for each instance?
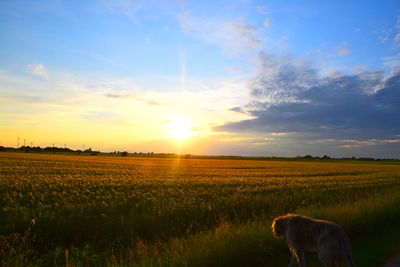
(366, 159)
(48, 149)
(124, 154)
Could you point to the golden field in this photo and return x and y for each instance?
(148, 211)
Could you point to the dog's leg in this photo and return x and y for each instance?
(293, 261)
(297, 258)
(301, 258)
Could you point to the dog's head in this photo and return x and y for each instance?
(278, 227)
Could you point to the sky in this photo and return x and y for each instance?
(244, 77)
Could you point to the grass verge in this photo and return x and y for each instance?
(372, 224)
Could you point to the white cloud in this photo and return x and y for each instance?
(128, 8)
(38, 70)
(233, 36)
(392, 33)
(359, 68)
(341, 50)
(262, 10)
(186, 21)
(393, 62)
(131, 8)
(245, 32)
(384, 35)
(398, 22)
(383, 39)
(233, 70)
(267, 23)
(281, 79)
(397, 36)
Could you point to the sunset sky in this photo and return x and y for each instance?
(262, 78)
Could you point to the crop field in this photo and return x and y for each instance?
(70, 210)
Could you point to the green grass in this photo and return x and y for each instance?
(251, 244)
(372, 223)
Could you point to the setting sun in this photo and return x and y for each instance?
(179, 128)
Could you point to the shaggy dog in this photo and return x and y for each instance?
(303, 233)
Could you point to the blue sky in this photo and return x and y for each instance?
(142, 37)
(125, 68)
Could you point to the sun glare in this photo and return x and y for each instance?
(179, 128)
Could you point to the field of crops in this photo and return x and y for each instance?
(132, 211)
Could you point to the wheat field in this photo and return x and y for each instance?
(148, 211)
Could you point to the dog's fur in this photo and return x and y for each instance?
(303, 233)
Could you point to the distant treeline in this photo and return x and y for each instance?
(38, 149)
(306, 157)
(46, 149)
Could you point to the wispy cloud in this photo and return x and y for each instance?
(262, 9)
(129, 96)
(351, 144)
(341, 50)
(397, 36)
(233, 70)
(250, 140)
(245, 32)
(234, 36)
(359, 68)
(126, 7)
(391, 33)
(385, 35)
(131, 8)
(38, 70)
(393, 62)
(267, 23)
